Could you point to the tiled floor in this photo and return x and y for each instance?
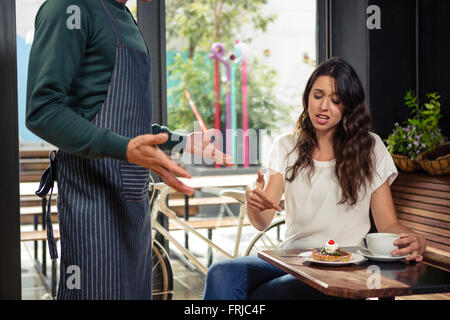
(188, 282)
(32, 285)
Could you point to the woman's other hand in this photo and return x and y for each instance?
(412, 244)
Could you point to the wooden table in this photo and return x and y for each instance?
(220, 181)
(356, 281)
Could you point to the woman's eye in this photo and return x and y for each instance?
(335, 102)
(317, 96)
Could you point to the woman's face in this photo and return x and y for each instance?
(324, 106)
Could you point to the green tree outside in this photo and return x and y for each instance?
(200, 23)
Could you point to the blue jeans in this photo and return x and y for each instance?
(251, 278)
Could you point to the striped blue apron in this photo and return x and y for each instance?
(103, 204)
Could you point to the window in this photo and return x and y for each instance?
(271, 43)
(26, 11)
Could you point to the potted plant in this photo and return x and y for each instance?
(413, 144)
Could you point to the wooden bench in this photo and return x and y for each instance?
(177, 203)
(210, 201)
(199, 224)
(37, 235)
(33, 162)
(31, 169)
(33, 214)
(422, 203)
(33, 201)
(209, 224)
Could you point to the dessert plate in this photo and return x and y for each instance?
(355, 258)
(369, 255)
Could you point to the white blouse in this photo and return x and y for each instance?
(313, 215)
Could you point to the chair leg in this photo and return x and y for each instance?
(54, 278)
(186, 218)
(209, 255)
(35, 223)
(44, 243)
(44, 258)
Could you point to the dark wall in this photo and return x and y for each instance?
(151, 19)
(392, 63)
(410, 51)
(434, 53)
(349, 39)
(10, 271)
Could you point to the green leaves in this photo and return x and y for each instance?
(197, 76)
(203, 22)
(419, 133)
(199, 24)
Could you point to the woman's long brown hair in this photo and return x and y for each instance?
(353, 144)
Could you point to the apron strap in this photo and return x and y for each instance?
(45, 187)
(113, 22)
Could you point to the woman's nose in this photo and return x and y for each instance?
(324, 105)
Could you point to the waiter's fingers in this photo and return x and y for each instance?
(211, 152)
(172, 181)
(154, 139)
(157, 157)
(224, 159)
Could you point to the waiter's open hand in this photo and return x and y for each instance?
(143, 150)
(199, 143)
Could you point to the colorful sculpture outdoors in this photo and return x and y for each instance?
(239, 56)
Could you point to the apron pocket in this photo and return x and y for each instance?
(135, 181)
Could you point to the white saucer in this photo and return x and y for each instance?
(355, 258)
(369, 255)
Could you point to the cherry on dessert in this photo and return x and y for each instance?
(331, 242)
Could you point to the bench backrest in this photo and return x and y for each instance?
(422, 202)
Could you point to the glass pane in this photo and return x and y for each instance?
(25, 12)
(238, 67)
(33, 161)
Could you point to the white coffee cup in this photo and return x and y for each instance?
(380, 243)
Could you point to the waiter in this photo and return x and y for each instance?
(89, 94)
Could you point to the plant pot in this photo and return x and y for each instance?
(404, 163)
(437, 161)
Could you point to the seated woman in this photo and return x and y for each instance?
(331, 169)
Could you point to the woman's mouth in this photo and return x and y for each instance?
(322, 119)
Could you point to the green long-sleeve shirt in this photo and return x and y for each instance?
(70, 67)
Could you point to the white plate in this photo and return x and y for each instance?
(371, 256)
(355, 258)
